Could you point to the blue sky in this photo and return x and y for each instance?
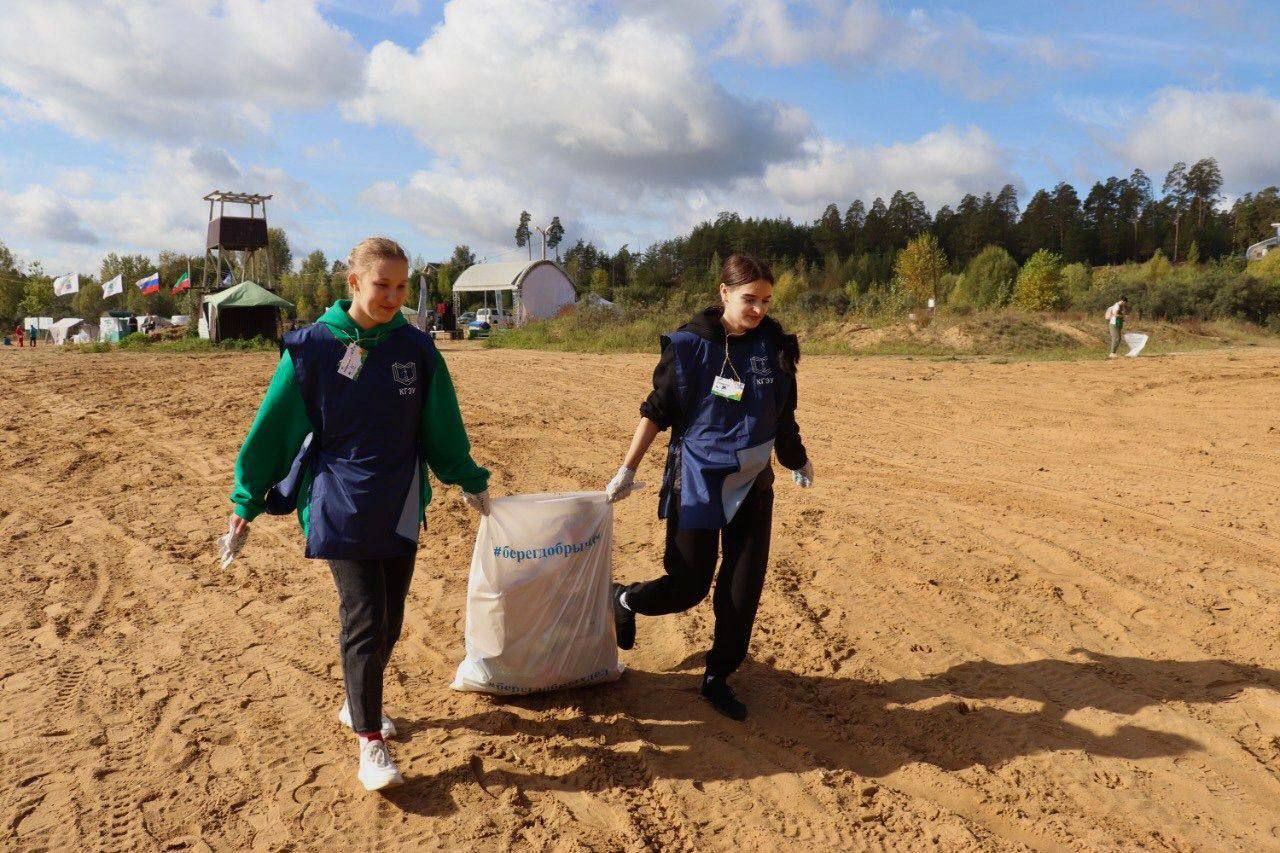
(438, 122)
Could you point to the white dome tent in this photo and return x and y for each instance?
(72, 330)
(538, 289)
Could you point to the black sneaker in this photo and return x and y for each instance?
(624, 621)
(720, 695)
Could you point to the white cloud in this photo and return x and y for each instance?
(513, 88)
(617, 121)
(154, 205)
(446, 202)
(172, 68)
(859, 34)
(42, 213)
(682, 15)
(561, 111)
(939, 167)
(1240, 129)
(779, 33)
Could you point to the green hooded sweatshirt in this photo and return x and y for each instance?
(282, 424)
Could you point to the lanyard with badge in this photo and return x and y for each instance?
(353, 358)
(729, 389)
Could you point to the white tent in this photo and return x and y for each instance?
(73, 330)
(598, 302)
(539, 289)
(112, 329)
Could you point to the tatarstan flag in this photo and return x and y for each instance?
(183, 283)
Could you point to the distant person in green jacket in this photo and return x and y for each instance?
(376, 399)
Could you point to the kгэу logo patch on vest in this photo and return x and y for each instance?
(761, 370)
(406, 374)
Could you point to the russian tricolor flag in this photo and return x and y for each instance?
(150, 284)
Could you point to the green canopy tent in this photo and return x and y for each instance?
(246, 310)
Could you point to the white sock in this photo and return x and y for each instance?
(623, 599)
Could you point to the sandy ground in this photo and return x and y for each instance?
(1026, 606)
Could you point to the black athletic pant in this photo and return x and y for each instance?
(371, 596)
(690, 563)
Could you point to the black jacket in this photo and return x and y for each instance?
(663, 404)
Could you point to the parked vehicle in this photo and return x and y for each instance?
(499, 318)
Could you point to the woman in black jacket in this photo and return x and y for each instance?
(726, 387)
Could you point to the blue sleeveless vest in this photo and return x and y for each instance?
(365, 462)
(724, 444)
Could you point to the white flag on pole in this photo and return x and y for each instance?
(65, 285)
(114, 287)
(423, 307)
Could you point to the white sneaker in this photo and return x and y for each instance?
(344, 717)
(377, 770)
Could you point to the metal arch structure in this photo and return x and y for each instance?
(1259, 250)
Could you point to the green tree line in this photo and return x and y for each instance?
(1119, 220)
(977, 252)
(27, 290)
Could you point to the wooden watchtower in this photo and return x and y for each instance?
(236, 242)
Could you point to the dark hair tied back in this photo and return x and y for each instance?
(744, 269)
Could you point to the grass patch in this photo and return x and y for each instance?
(1041, 337)
(140, 343)
(592, 330)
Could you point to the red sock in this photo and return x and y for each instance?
(370, 735)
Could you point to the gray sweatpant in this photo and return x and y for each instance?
(371, 596)
(1117, 332)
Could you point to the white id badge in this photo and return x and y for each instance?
(730, 389)
(352, 360)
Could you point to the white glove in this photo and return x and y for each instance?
(621, 485)
(478, 502)
(229, 544)
(804, 476)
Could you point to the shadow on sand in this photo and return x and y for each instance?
(802, 722)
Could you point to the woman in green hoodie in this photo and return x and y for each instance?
(375, 397)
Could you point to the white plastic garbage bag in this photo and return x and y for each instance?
(539, 616)
(1135, 341)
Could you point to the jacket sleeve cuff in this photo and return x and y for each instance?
(246, 513)
(476, 483)
(651, 412)
(791, 457)
(472, 482)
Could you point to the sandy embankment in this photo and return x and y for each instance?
(1028, 605)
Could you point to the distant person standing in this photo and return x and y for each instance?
(18, 333)
(1115, 318)
(34, 334)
